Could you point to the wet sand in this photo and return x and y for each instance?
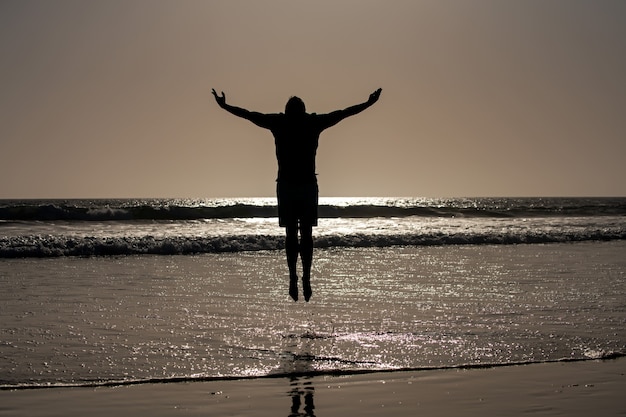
(549, 389)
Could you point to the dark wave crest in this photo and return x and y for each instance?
(105, 210)
(51, 212)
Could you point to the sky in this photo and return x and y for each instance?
(111, 99)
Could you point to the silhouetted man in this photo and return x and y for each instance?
(296, 135)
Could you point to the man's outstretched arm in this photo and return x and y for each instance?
(258, 119)
(335, 117)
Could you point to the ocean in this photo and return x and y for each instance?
(129, 291)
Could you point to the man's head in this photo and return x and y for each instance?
(295, 106)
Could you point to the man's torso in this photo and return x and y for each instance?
(296, 140)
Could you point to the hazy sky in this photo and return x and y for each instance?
(480, 98)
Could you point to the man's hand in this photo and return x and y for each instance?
(221, 100)
(374, 96)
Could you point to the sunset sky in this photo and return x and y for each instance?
(480, 98)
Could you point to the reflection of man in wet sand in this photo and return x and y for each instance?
(298, 390)
(296, 134)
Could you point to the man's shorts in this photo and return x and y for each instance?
(297, 203)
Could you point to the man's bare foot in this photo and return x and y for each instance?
(293, 287)
(306, 288)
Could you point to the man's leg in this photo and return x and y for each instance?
(306, 253)
(291, 247)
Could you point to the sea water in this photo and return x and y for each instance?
(100, 292)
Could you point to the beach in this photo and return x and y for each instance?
(548, 389)
(476, 307)
(205, 335)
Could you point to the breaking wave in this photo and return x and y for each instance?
(55, 246)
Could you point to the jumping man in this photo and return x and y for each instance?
(296, 135)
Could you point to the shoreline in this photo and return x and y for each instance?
(574, 388)
(338, 373)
